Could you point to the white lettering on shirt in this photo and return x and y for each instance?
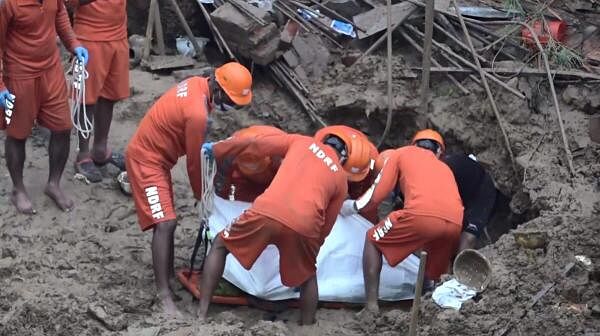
(182, 89)
(320, 154)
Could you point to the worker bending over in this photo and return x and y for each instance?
(478, 194)
(295, 213)
(33, 89)
(431, 218)
(245, 176)
(102, 27)
(358, 181)
(176, 125)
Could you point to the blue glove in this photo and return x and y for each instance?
(4, 95)
(207, 148)
(82, 54)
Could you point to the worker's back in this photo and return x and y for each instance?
(308, 189)
(173, 123)
(427, 184)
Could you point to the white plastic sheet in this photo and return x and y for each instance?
(339, 264)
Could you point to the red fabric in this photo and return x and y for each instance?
(108, 70)
(28, 32)
(175, 126)
(427, 184)
(101, 20)
(309, 188)
(250, 234)
(152, 193)
(42, 99)
(403, 233)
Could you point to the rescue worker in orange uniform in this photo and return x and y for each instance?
(176, 125)
(431, 218)
(295, 213)
(245, 176)
(102, 27)
(33, 89)
(359, 181)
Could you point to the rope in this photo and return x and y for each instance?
(208, 170)
(77, 76)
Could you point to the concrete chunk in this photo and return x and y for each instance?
(266, 52)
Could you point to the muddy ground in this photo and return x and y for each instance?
(60, 271)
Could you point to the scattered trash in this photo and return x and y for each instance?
(81, 177)
(472, 269)
(452, 294)
(343, 28)
(555, 30)
(185, 47)
(124, 183)
(585, 261)
(531, 239)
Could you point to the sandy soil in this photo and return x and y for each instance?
(60, 271)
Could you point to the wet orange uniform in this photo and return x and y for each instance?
(31, 64)
(234, 181)
(432, 213)
(298, 209)
(174, 126)
(102, 27)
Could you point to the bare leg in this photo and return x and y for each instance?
(102, 120)
(58, 153)
(467, 241)
(84, 144)
(309, 297)
(162, 245)
(371, 273)
(212, 272)
(15, 159)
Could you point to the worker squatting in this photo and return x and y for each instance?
(298, 184)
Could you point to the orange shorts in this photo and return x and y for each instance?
(42, 99)
(403, 233)
(250, 234)
(108, 70)
(152, 193)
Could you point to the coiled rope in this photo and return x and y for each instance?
(205, 206)
(77, 76)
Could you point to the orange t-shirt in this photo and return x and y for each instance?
(173, 127)
(28, 32)
(101, 20)
(427, 184)
(309, 188)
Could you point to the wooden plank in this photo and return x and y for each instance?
(167, 62)
(149, 29)
(526, 71)
(160, 37)
(375, 21)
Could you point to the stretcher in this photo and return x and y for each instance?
(339, 266)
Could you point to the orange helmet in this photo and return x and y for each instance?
(248, 162)
(359, 160)
(429, 134)
(360, 150)
(236, 81)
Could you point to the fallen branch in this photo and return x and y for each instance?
(466, 62)
(482, 74)
(433, 60)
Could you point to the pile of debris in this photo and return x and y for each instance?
(297, 39)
